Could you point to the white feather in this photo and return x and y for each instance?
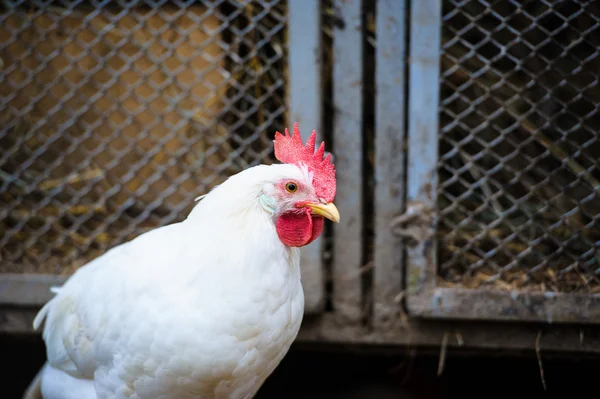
(56, 384)
(203, 308)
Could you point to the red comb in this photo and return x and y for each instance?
(289, 149)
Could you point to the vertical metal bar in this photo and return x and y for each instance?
(424, 70)
(390, 132)
(348, 147)
(305, 100)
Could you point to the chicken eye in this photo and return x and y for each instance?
(291, 187)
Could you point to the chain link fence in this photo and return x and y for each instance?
(114, 116)
(520, 145)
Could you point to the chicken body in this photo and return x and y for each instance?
(204, 308)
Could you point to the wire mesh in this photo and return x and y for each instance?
(520, 145)
(114, 116)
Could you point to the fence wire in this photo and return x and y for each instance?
(114, 116)
(520, 145)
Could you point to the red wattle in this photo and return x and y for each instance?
(299, 229)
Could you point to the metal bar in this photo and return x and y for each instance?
(461, 335)
(424, 64)
(348, 146)
(472, 304)
(389, 155)
(416, 333)
(305, 99)
(28, 289)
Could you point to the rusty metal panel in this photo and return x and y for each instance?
(389, 157)
(348, 150)
(504, 144)
(305, 107)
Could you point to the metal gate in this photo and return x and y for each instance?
(115, 116)
(465, 134)
(503, 176)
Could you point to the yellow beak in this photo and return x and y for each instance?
(328, 211)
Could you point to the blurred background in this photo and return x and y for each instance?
(465, 133)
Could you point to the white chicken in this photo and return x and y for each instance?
(204, 308)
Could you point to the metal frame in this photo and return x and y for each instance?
(435, 335)
(424, 297)
(27, 289)
(305, 99)
(390, 82)
(348, 142)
